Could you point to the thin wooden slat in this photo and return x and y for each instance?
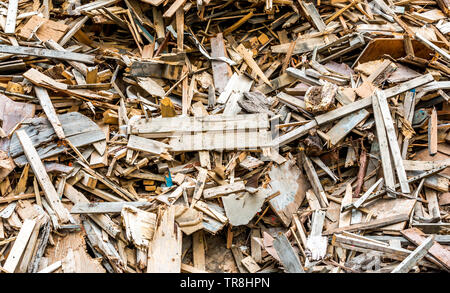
(19, 245)
(39, 170)
(47, 106)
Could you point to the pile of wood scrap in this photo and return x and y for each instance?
(224, 136)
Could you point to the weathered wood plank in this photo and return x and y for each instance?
(393, 142)
(47, 106)
(19, 245)
(105, 207)
(39, 170)
(287, 255)
(370, 225)
(45, 53)
(406, 265)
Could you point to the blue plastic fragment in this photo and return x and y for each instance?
(168, 180)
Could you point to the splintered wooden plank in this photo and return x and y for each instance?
(366, 102)
(221, 141)
(221, 70)
(433, 204)
(432, 46)
(370, 225)
(223, 190)
(408, 85)
(301, 45)
(169, 126)
(288, 257)
(411, 260)
(105, 207)
(393, 143)
(73, 30)
(198, 250)
(417, 237)
(45, 53)
(39, 171)
(313, 15)
(10, 25)
(146, 145)
(315, 182)
(250, 264)
(345, 125)
(164, 253)
(199, 185)
(237, 83)
(102, 220)
(180, 28)
(173, 8)
(47, 106)
(343, 111)
(433, 133)
(248, 58)
(386, 163)
(291, 100)
(19, 245)
(294, 134)
(277, 83)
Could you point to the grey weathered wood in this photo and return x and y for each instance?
(287, 255)
(343, 111)
(393, 142)
(240, 208)
(409, 106)
(345, 125)
(412, 259)
(105, 207)
(370, 225)
(315, 182)
(39, 171)
(366, 102)
(386, 163)
(291, 100)
(364, 197)
(79, 129)
(297, 73)
(45, 53)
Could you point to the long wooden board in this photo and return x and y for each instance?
(45, 53)
(39, 171)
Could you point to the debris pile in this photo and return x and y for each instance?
(224, 136)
